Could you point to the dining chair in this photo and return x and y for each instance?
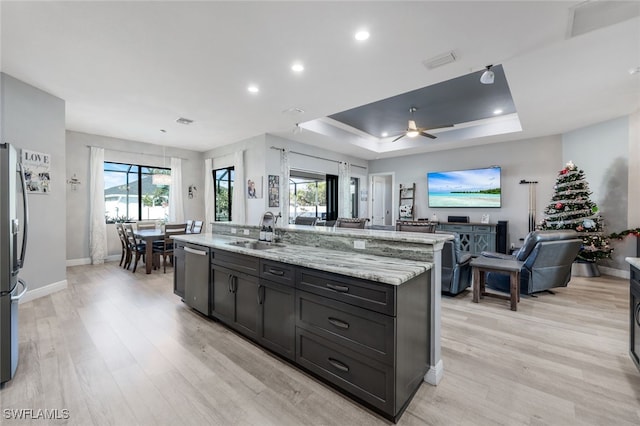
(349, 222)
(145, 225)
(123, 242)
(197, 227)
(416, 226)
(136, 247)
(164, 247)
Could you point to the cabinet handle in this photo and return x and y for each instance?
(338, 323)
(192, 251)
(340, 288)
(234, 284)
(637, 314)
(339, 365)
(259, 296)
(276, 272)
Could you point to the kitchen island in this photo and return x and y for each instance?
(358, 320)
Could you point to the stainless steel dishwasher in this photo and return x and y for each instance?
(196, 273)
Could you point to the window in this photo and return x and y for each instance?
(307, 196)
(223, 188)
(135, 192)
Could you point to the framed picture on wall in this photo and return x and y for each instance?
(37, 166)
(273, 189)
(254, 187)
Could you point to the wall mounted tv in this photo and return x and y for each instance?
(465, 188)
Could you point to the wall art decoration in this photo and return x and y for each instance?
(274, 191)
(36, 167)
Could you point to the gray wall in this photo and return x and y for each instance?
(122, 151)
(35, 120)
(533, 159)
(603, 152)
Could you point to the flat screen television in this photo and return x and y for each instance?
(465, 188)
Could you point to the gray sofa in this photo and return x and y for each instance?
(547, 257)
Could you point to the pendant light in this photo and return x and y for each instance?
(488, 76)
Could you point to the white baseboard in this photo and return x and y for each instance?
(435, 373)
(87, 260)
(620, 273)
(37, 293)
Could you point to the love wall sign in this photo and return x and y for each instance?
(36, 166)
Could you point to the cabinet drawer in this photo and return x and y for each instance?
(365, 294)
(363, 377)
(482, 228)
(237, 262)
(456, 228)
(277, 272)
(364, 331)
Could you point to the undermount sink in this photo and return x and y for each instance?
(255, 245)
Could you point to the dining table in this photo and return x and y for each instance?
(149, 236)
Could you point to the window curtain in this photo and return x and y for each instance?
(97, 222)
(238, 201)
(344, 189)
(209, 193)
(176, 202)
(285, 174)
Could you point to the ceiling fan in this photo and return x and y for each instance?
(413, 130)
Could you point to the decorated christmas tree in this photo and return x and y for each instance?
(571, 208)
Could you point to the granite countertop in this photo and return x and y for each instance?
(412, 237)
(381, 269)
(633, 261)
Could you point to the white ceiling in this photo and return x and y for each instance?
(129, 69)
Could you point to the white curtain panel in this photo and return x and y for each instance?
(176, 202)
(209, 194)
(239, 197)
(285, 173)
(344, 189)
(97, 223)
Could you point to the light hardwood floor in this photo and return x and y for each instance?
(120, 348)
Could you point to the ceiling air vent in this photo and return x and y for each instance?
(440, 60)
(592, 15)
(183, 120)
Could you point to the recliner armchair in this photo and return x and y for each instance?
(547, 257)
(456, 268)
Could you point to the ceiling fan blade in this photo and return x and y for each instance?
(399, 137)
(443, 126)
(425, 134)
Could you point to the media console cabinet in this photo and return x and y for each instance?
(478, 237)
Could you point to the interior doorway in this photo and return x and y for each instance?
(382, 199)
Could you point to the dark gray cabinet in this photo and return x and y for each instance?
(634, 316)
(196, 277)
(276, 318)
(178, 269)
(366, 338)
(234, 300)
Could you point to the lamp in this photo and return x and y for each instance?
(412, 133)
(488, 76)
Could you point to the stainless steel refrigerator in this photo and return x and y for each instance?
(14, 215)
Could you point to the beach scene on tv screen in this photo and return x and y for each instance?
(465, 188)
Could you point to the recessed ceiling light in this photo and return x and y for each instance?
(297, 67)
(384, 134)
(362, 35)
(163, 130)
(253, 88)
(635, 70)
(497, 111)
